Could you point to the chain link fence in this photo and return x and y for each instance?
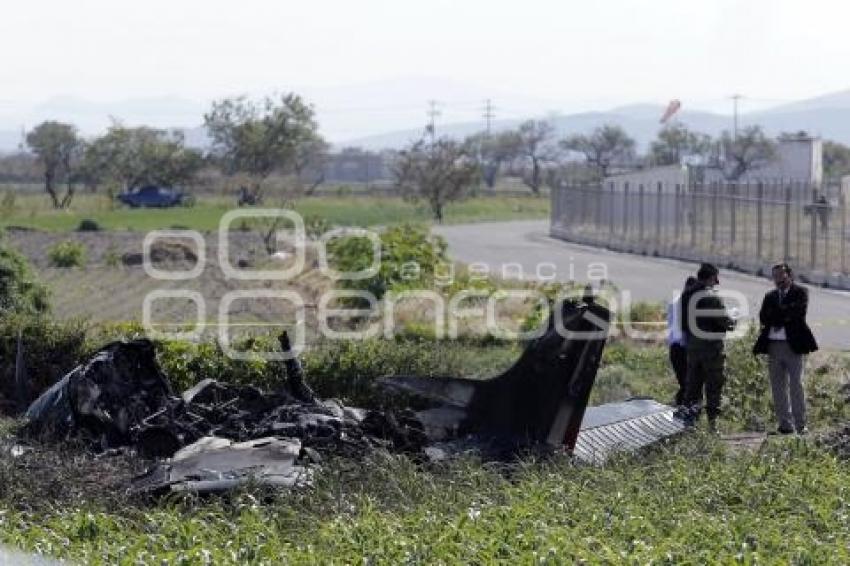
(747, 226)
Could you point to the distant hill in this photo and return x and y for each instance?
(827, 116)
(392, 106)
(640, 121)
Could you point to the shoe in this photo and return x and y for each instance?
(803, 431)
(784, 431)
(712, 427)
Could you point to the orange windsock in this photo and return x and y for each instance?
(672, 108)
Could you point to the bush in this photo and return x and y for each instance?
(88, 225)
(67, 254)
(410, 257)
(20, 292)
(51, 349)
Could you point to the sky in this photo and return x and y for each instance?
(366, 61)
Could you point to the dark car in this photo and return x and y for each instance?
(152, 196)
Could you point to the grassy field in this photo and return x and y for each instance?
(34, 211)
(693, 500)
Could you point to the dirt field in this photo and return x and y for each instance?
(113, 284)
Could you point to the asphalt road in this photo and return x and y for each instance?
(524, 249)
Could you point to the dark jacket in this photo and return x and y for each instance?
(704, 321)
(790, 314)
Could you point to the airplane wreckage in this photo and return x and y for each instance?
(215, 436)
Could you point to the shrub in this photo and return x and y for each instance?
(51, 349)
(409, 259)
(67, 254)
(20, 292)
(88, 225)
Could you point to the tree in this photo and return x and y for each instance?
(676, 142)
(440, 172)
(836, 159)
(309, 162)
(259, 138)
(606, 146)
(750, 150)
(57, 146)
(139, 156)
(533, 150)
(494, 151)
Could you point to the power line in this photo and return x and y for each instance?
(433, 113)
(489, 114)
(735, 98)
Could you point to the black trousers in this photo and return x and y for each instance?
(706, 370)
(679, 361)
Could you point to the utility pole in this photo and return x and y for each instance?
(489, 114)
(433, 113)
(735, 98)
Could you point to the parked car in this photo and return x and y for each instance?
(153, 196)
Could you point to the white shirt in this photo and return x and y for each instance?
(778, 332)
(675, 335)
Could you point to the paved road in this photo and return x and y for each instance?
(503, 245)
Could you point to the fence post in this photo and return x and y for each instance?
(733, 216)
(759, 219)
(611, 209)
(640, 212)
(658, 213)
(842, 201)
(813, 245)
(626, 209)
(677, 211)
(714, 196)
(787, 242)
(693, 217)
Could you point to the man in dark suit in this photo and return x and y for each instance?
(786, 339)
(705, 324)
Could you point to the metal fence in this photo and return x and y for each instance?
(747, 226)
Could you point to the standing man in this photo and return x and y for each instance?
(786, 339)
(705, 322)
(677, 342)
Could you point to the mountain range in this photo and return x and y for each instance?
(391, 114)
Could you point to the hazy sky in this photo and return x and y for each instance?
(572, 54)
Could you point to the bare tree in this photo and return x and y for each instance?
(308, 164)
(57, 146)
(494, 152)
(533, 149)
(439, 173)
(737, 156)
(606, 146)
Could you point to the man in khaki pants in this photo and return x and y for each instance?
(786, 339)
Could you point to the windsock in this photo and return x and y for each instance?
(672, 108)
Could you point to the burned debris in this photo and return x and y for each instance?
(217, 435)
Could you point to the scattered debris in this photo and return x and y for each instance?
(216, 435)
(624, 427)
(217, 464)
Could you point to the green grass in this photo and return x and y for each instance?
(34, 211)
(688, 503)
